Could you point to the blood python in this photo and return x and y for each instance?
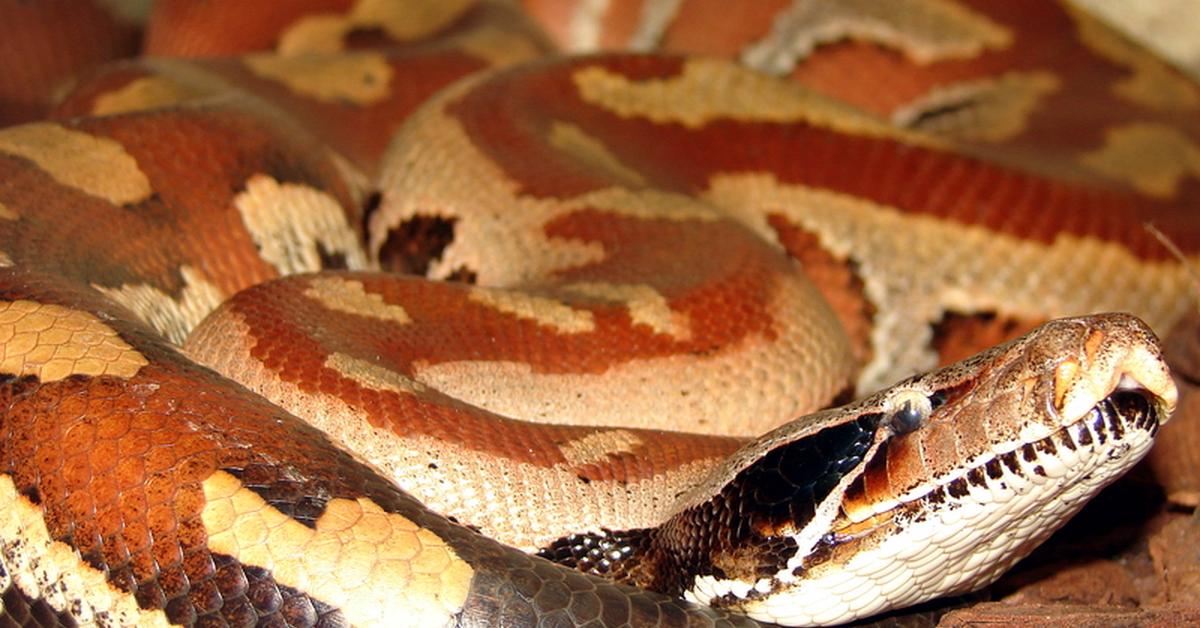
(620, 290)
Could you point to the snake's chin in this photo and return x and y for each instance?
(967, 531)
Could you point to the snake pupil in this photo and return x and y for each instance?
(907, 418)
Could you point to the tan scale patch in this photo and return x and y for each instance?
(989, 110)
(171, 317)
(499, 47)
(148, 92)
(8, 214)
(94, 165)
(647, 306)
(351, 297)
(5, 260)
(541, 310)
(711, 89)
(649, 204)
(53, 571)
(402, 21)
(324, 34)
(291, 223)
(597, 447)
(362, 78)
(1152, 157)
(925, 31)
(585, 148)
(1153, 83)
(53, 342)
(371, 375)
(375, 567)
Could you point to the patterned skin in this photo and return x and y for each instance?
(622, 233)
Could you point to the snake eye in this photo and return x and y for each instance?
(906, 418)
(908, 411)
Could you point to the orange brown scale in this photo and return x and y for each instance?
(225, 28)
(837, 279)
(879, 77)
(359, 131)
(108, 448)
(192, 160)
(488, 334)
(295, 348)
(91, 87)
(1055, 134)
(724, 301)
(699, 19)
(918, 180)
(50, 42)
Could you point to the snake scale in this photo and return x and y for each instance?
(329, 312)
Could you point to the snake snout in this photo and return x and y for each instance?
(1115, 356)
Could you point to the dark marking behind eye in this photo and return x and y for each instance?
(413, 245)
(743, 531)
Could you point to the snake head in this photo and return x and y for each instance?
(933, 487)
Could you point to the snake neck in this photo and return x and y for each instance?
(748, 531)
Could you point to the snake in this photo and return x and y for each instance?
(386, 314)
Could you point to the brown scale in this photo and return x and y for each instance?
(81, 98)
(719, 27)
(708, 26)
(725, 304)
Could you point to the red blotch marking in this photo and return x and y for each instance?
(295, 346)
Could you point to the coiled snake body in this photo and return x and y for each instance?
(629, 283)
